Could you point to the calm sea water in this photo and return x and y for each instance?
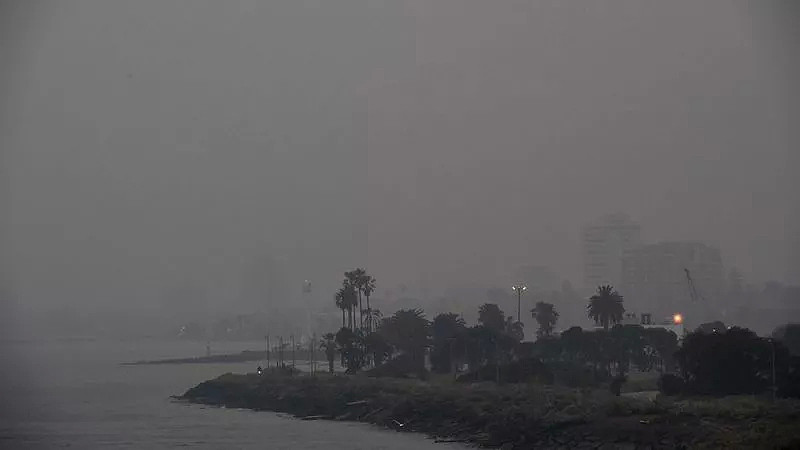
(58, 394)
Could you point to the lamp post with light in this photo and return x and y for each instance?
(677, 322)
(519, 289)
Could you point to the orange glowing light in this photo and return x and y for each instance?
(678, 319)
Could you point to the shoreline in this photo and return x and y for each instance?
(243, 356)
(511, 416)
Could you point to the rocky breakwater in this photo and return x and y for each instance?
(512, 416)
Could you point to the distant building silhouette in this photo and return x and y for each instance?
(654, 278)
(605, 242)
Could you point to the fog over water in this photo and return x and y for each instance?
(188, 165)
(210, 156)
(91, 402)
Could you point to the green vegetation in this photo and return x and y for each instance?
(328, 344)
(524, 415)
(605, 307)
(789, 336)
(494, 345)
(733, 361)
(576, 389)
(546, 316)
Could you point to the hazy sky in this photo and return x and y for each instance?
(149, 146)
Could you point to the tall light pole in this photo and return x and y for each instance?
(306, 295)
(519, 289)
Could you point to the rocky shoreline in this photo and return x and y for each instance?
(513, 416)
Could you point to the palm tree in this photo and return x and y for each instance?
(350, 345)
(339, 298)
(546, 316)
(328, 343)
(368, 288)
(350, 301)
(605, 306)
(355, 278)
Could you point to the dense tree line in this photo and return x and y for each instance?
(733, 360)
(408, 336)
(713, 360)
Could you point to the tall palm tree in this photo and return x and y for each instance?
(605, 306)
(339, 298)
(351, 301)
(355, 278)
(546, 316)
(368, 286)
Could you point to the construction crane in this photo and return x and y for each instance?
(693, 294)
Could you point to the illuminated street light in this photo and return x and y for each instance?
(677, 319)
(519, 289)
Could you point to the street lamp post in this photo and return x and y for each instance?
(519, 289)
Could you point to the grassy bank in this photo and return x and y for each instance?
(522, 416)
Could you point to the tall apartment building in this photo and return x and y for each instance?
(605, 243)
(654, 278)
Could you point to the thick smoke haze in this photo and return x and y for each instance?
(209, 156)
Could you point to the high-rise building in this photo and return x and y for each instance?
(654, 279)
(605, 242)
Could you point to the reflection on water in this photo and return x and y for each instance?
(75, 394)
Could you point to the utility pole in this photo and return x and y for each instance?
(266, 338)
(293, 347)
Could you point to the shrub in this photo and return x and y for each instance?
(525, 370)
(616, 384)
(671, 384)
(574, 374)
(736, 361)
(401, 366)
(789, 383)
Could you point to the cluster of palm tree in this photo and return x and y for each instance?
(605, 308)
(404, 334)
(607, 351)
(368, 339)
(357, 287)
